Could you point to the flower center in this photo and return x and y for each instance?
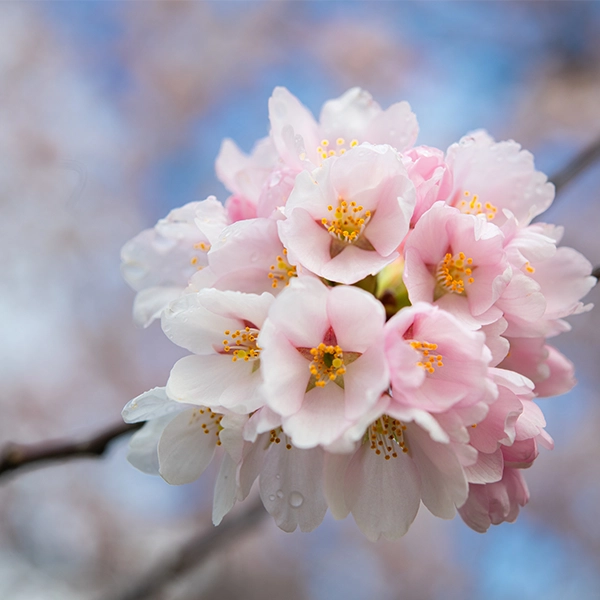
(242, 344)
(212, 421)
(347, 221)
(327, 364)
(452, 272)
(281, 272)
(385, 436)
(276, 435)
(337, 148)
(429, 359)
(470, 205)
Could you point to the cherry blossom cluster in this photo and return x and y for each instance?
(367, 322)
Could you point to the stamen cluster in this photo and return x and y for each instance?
(367, 322)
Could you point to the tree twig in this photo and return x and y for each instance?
(192, 554)
(582, 161)
(17, 456)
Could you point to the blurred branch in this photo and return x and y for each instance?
(17, 456)
(580, 163)
(192, 554)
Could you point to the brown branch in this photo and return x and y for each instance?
(586, 158)
(192, 554)
(596, 272)
(17, 456)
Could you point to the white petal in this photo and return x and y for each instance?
(285, 371)
(150, 405)
(320, 419)
(189, 324)
(143, 445)
(365, 380)
(334, 477)
(422, 418)
(383, 495)
(288, 115)
(350, 114)
(443, 482)
(225, 489)
(216, 381)
(291, 487)
(356, 317)
(237, 305)
(149, 303)
(299, 312)
(251, 464)
(184, 450)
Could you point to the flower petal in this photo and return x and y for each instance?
(383, 495)
(185, 450)
(291, 487)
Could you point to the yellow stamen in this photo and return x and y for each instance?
(452, 271)
(242, 344)
(429, 361)
(281, 272)
(471, 205)
(327, 364)
(386, 437)
(347, 222)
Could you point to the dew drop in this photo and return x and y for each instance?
(278, 476)
(296, 499)
(271, 497)
(279, 494)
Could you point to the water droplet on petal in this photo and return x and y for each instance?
(279, 494)
(271, 497)
(296, 499)
(277, 476)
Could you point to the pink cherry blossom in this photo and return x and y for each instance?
(529, 434)
(248, 256)
(290, 480)
(179, 441)
(560, 378)
(244, 176)
(431, 176)
(221, 329)
(322, 360)
(435, 361)
(159, 262)
(458, 262)
(347, 218)
(394, 464)
(539, 265)
(275, 191)
(297, 384)
(345, 123)
(492, 176)
(545, 366)
(495, 503)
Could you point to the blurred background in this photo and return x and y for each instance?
(111, 114)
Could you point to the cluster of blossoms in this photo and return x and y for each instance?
(367, 321)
